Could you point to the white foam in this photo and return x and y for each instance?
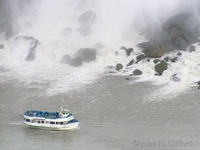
(117, 24)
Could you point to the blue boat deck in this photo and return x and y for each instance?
(45, 114)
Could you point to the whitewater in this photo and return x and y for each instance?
(117, 110)
(56, 26)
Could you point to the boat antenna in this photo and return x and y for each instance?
(61, 108)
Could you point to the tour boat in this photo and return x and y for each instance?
(62, 120)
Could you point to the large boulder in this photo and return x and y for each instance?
(160, 67)
(180, 43)
(139, 58)
(87, 18)
(192, 48)
(24, 48)
(178, 32)
(151, 50)
(131, 62)
(76, 62)
(119, 66)
(1, 46)
(137, 72)
(156, 61)
(127, 50)
(86, 54)
(66, 59)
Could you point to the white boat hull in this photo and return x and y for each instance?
(71, 126)
(63, 120)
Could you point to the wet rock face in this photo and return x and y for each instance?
(160, 67)
(66, 59)
(137, 72)
(1, 46)
(127, 50)
(192, 48)
(87, 18)
(86, 54)
(139, 58)
(178, 32)
(27, 46)
(131, 62)
(76, 62)
(119, 66)
(156, 61)
(82, 55)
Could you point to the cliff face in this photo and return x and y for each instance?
(178, 32)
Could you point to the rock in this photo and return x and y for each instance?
(192, 48)
(151, 50)
(87, 18)
(116, 53)
(128, 51)
(175, 78)
(156, 54)
(160, 67)
(76, 62)
(156, 61)
(180, 43)
(131, 62)
(137, 72)
(179, 54)
(25, 48)
(178, 32)
(87, 54)
(1, 46)
(174, 59)
(123, 47)
(66, 59)
(166, 59)
(119, 66)
(174, 32)
(198, 83)
(112, 72)
(139, 58)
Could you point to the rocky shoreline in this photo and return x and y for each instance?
(179, 33)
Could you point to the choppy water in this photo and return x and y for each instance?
(113, 115)
(146, 113)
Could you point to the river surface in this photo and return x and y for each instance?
(113, 114)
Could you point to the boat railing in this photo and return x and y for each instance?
(44, 114)
(68, 115)
(73, 121)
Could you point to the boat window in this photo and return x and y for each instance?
(38, 121)
(42, 121)
(46, 122)
(27, 120)
(33, 121)
(61, 123)
(52, 122)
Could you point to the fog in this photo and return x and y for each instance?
(113, 17)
